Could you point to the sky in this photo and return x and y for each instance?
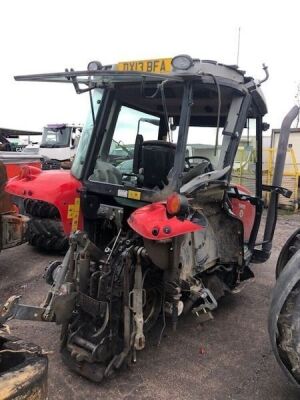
(49, 36)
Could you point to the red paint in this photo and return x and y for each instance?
(244, 211)
(57, 187)
(13, 168)
(152, 222)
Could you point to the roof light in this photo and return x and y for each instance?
(182, 61)
(94, 66)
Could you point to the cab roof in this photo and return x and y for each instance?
(128, 76)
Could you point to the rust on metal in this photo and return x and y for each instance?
(23, 370)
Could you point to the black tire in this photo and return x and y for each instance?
(291, 246)
(38, 208)
(288, 340)
(47, 234)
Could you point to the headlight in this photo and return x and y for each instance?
(183, 62)
(94, 66)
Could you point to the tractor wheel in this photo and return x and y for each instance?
(284, 319)
(289, 332)
(42, 209)
(47, 234)
(289, 249)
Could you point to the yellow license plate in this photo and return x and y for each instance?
(158, 66)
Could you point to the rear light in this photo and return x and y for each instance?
(176, 204)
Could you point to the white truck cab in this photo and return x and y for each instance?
(59, 141)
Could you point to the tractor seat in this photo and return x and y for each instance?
(153, 161)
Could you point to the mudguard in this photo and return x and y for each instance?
(284, 254)
(244, 210)
(57, 187)
(152, 222)
(14, 161)
(284, 285)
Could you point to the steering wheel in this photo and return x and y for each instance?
(208, 167)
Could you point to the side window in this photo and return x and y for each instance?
(201, 145)
(86, 136)
(130, 123)
(244, 167)
(117, 152)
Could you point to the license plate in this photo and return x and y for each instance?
(158, 66)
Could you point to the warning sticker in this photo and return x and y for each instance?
(73, 213)
(133, 194)
(122, 193)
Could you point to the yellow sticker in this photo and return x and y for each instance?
(73, 213)
(75, 223)
(132, 194)
(77, 204)
(70, 211)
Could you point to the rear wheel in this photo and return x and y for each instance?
(289, 249)
(289, 332)
(45, 230)
(39, 208)
(47, 234)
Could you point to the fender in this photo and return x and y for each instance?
(14, 161)
(284, 254)
(152, 222)
(57, 187)
(243, 210)
(284, 285)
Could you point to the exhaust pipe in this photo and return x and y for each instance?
(277, 180)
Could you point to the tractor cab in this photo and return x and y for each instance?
(167, 227)
(179, 123)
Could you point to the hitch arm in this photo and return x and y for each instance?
(12, 309)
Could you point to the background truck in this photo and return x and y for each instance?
(15, 140)
(58, 145)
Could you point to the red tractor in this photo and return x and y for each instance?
(163, 232)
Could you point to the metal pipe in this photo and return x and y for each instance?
(265, 68)
(277, 178)
(259, 151)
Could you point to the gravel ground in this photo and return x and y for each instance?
(228, 357)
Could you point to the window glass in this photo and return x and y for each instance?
(120, 152)
(86, 135)
(201, 144)
(56, 136)
(244, 167)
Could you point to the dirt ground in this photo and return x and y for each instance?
(228, 357)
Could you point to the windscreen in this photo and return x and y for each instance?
(56, 136)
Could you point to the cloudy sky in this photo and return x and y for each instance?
(49, 36)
